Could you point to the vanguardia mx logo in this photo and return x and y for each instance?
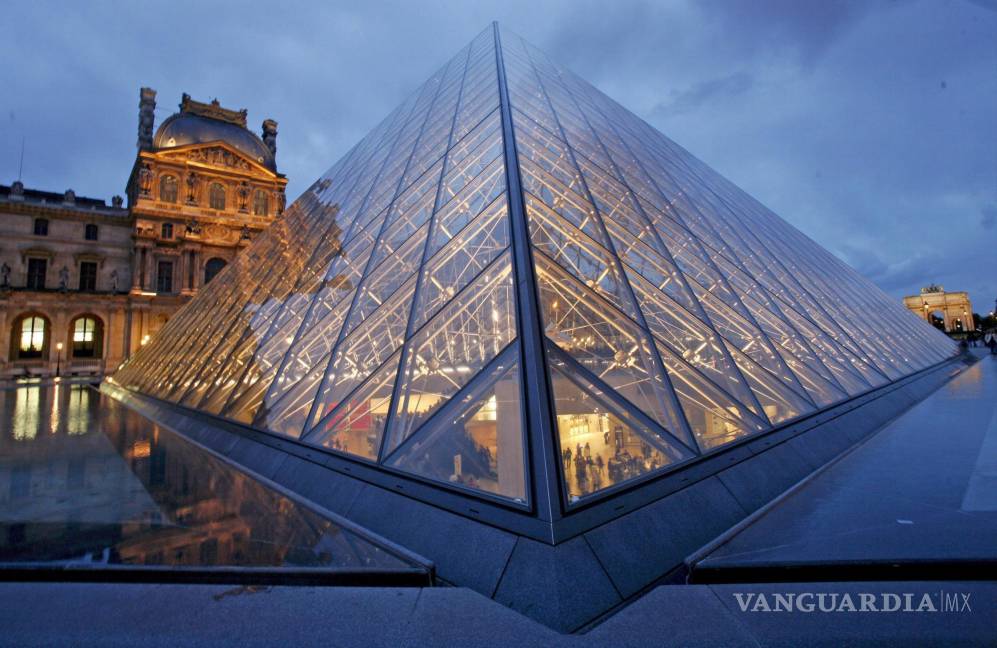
(826, 602)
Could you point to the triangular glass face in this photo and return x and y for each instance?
(476, 441)
(601, 443)
(605, 342)
(357, 425)
(506, 206)
(454, 346)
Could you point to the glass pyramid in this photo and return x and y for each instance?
(513, 280)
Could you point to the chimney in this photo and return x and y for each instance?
(146, 117)
(270, 135)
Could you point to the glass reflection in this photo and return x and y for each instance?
(99, 484)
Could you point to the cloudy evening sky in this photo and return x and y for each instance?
(871, 126)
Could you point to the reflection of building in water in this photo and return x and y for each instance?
(950, 311)
(83, 284)
(87, 480)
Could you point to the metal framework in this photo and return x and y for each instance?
(516, 291)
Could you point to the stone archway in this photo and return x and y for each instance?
(953, 308)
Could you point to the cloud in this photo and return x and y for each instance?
(989, 217)
(702, 94)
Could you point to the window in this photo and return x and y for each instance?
(216, 196)
(164, 277)
(213, 267)
(167, 230)
(169, 188)
(87, 336)
(41, 227)
(36, 273)
(90, 232)
(34, 330)
(88, 276)
(261, 203)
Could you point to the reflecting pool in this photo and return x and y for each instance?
(85, 481)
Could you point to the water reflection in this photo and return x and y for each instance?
(84, 479)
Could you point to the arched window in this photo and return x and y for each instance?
(87, 336)
(216, 196)
(29, 337)
(213, 267)
(90, 232)
(169, 188)
(261, 203)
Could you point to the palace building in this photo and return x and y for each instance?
(84, 284)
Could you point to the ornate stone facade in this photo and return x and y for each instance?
(84, 284)
(955, 308)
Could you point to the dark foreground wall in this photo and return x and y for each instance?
(603, 559)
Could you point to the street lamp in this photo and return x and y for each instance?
(58, 359)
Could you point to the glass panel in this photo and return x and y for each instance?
(477, 441)
(386, 278)
(365, 349)
(779, 402)
(356, 426)
(715, 419)
(461, 260)
(466, 334)
(578, 254)
(605, 342)
(601, 443)
(695, 342)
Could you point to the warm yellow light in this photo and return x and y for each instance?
(59, 346)
(141, 449)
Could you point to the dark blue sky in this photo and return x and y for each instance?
(871, 126)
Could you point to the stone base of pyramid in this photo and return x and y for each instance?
(571, 572)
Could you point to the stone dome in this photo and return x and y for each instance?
(186, 128)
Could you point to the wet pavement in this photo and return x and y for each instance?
(87, 483)
(918, 499)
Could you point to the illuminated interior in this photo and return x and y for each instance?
(511, 251)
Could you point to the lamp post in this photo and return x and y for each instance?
(58, 359)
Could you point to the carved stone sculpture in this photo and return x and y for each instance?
(270, 135)
(146, 117)
(64, 279)
(281, 202)
(4, 276)
(243, 192)
(192, 184)
(145, 179)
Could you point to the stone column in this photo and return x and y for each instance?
(137, 256)
(198, 272)
(181, 272)
(150, 271)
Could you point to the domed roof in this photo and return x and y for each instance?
(186, 128)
